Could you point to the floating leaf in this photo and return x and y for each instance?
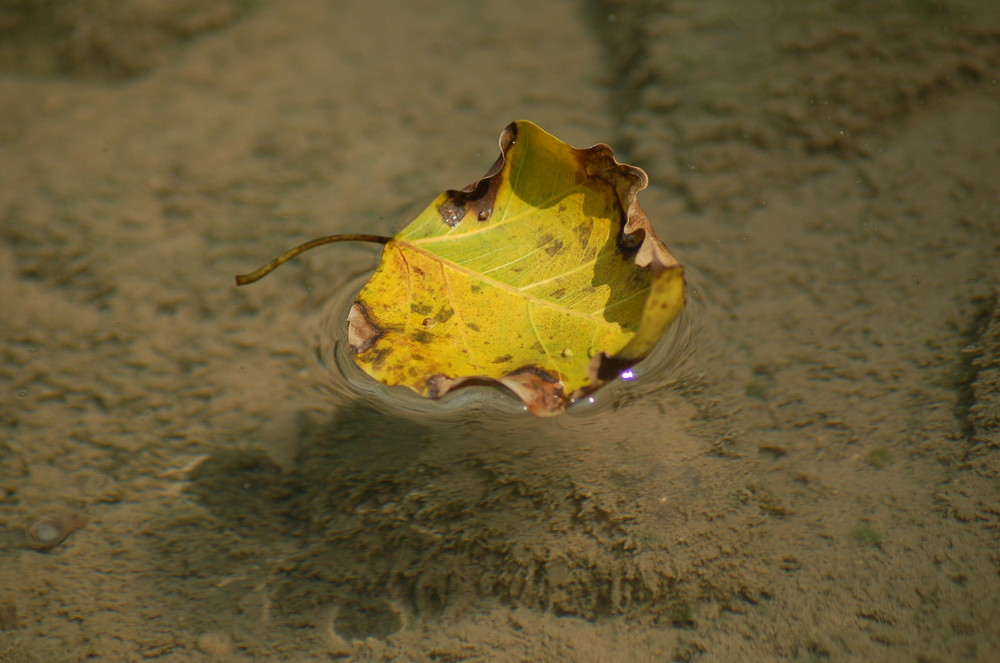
(545, 275)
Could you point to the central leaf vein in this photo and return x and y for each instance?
(511, 289)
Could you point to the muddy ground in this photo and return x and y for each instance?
(813, 475)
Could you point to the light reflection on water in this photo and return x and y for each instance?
(667, 365)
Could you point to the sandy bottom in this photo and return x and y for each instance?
(815, 475)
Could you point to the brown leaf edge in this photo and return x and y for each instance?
(540, 392)
(668, 276)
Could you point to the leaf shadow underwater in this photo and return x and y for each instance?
(393, 517)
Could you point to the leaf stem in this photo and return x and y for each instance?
(244, 279)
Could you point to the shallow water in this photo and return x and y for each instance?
(806, 467)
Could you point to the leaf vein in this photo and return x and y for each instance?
(529, 209)
(461, 319)
(509, 288)
(538, 337)
(409, 292)
(623, 300)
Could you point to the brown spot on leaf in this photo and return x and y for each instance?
(422, 309)
(628, 243)
(479, 196)
(422, 336)
(444, 315)
(543, 240)
(452, 211)
(473, 326)
(502, 360)
(556, 294)
(434, 385)
(541, 392)
(379, 355)
(440, 384)
(605, 369)
(508, 137)
(554, 248)
(601, 369)
(362, 333)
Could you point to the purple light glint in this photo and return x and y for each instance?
(627, 375)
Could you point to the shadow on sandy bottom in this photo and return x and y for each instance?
(391, 517)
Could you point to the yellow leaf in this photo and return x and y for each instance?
(544, 275)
